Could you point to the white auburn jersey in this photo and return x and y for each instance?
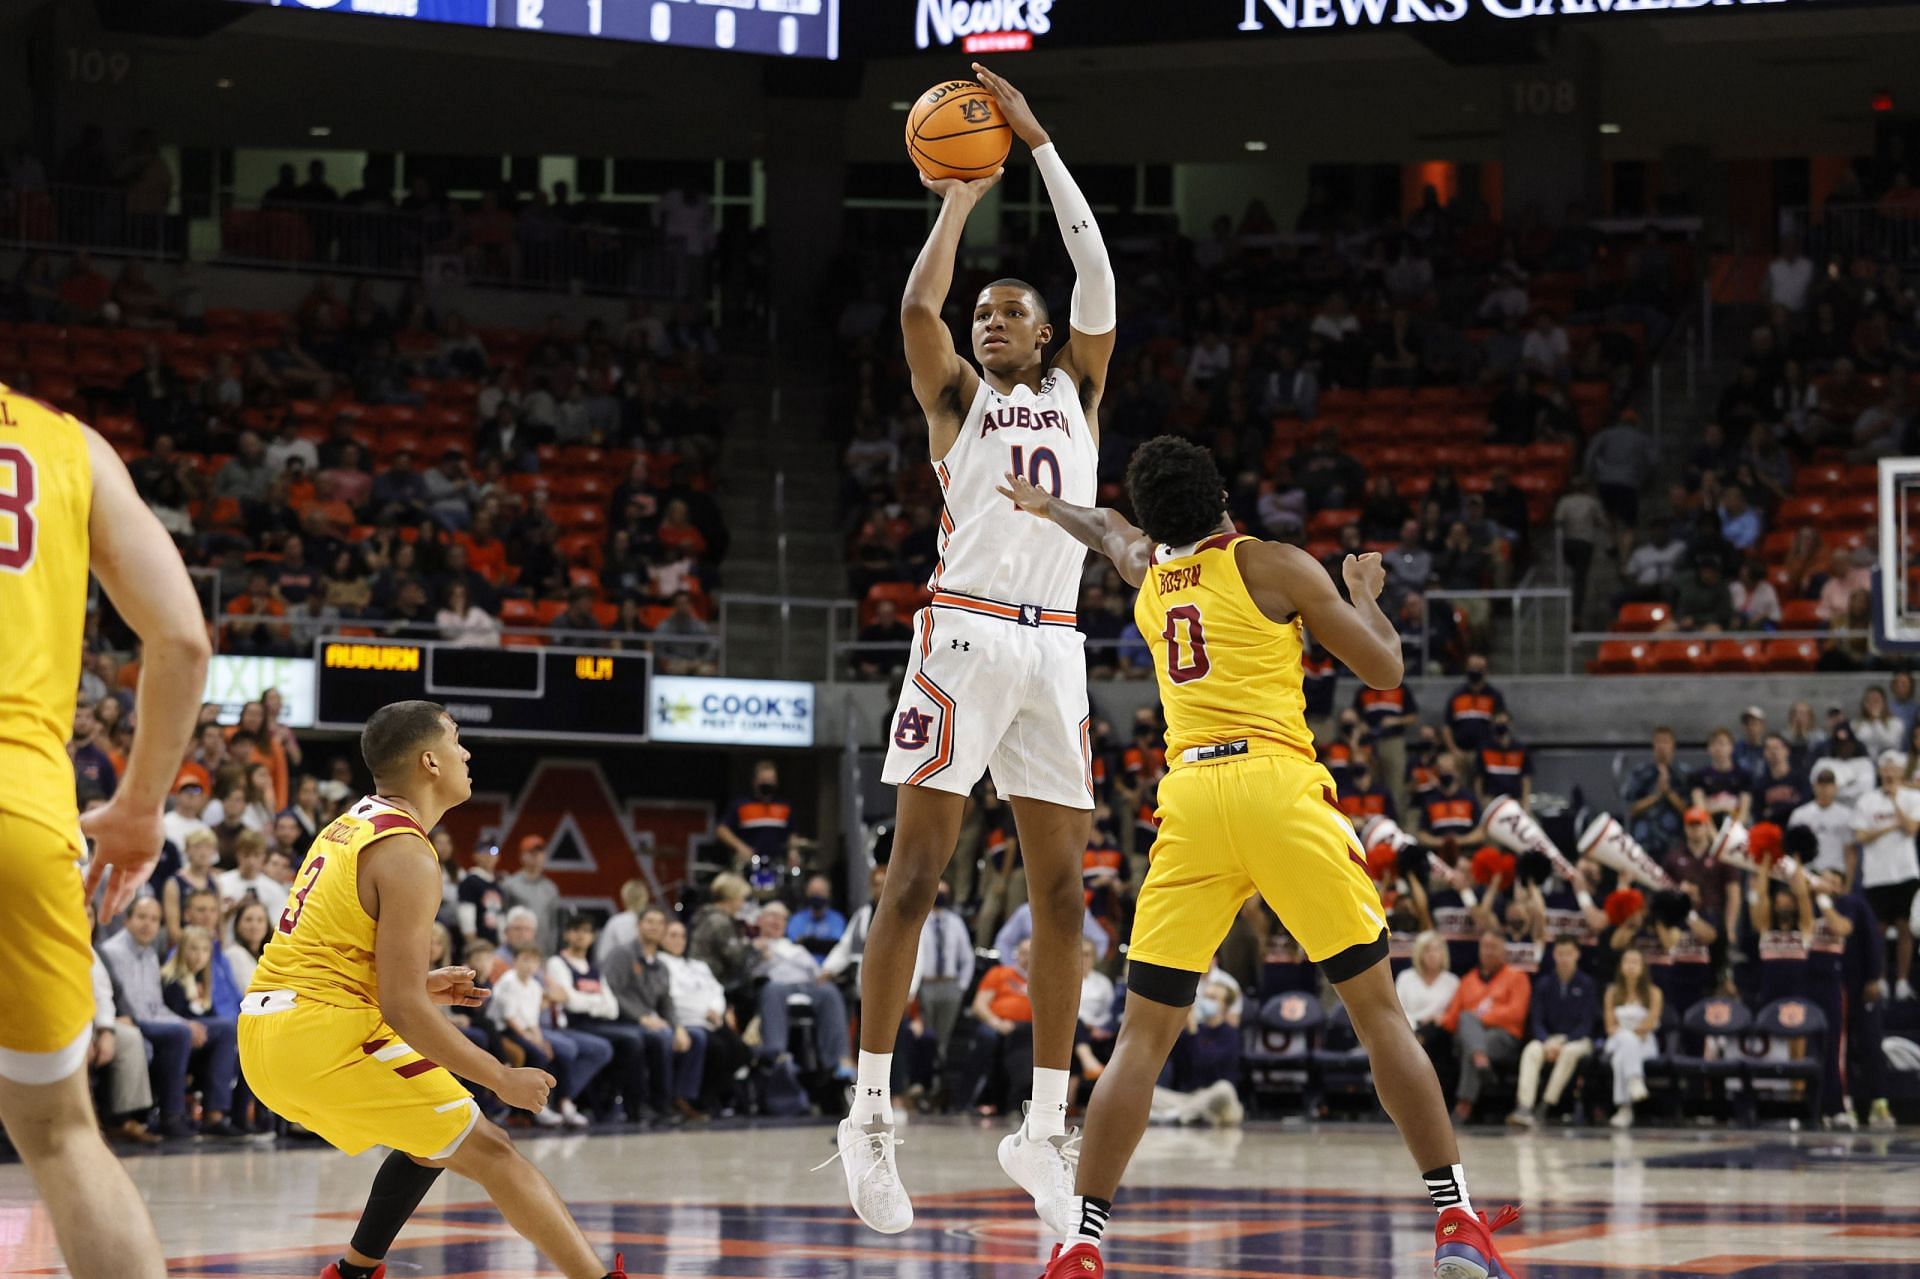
(989, 549)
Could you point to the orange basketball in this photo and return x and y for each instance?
(955, 130)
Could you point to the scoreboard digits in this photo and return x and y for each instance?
(789, 28)
(555, 693)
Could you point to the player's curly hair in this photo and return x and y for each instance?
(1177, 493)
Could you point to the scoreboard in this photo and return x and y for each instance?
(790, 28)
(559, 694)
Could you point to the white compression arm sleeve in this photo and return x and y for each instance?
(1095, 308)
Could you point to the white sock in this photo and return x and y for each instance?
(1447, 1187)
(873, 1088)
(1092, 1214)
(1047, 1116)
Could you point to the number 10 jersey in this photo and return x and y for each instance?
(989, 548)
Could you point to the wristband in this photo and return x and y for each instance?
(1824, 901)
(1470, 897)
(1584, 899)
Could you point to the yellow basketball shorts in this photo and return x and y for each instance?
(1243, 825)
(46, 952)
(347, 1077)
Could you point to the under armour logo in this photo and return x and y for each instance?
(1029, 615)
(976, 111)
(964, 646)
(1078, 227)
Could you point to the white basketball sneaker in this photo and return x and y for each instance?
(873, 1180)
(1045, 1168)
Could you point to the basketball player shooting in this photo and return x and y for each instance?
(997, 674)
(1246, 807)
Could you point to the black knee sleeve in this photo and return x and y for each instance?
(398, 1188)
(1354, 960)
(1174, 987)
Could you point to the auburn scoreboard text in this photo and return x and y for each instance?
(561, 694)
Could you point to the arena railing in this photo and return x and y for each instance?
(1585, 647)
(1855, 229)
(297, 634)
(444, 249)
(66, 216)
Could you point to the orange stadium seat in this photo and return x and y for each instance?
(520, 639)
(1329, 522)
(581, 548)
(1622, 657)
(1641, 617)
(1801, 615)
(1680, 657)
(1796, 511)
(546, 610)
(1792, 655)
(1849, 512)
(518, 612)
(1736, 655)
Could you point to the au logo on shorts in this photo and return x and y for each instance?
(911, 734)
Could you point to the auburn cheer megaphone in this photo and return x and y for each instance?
(1607, 842)
(1381, 829)
(1512, 827)
(1732, 847)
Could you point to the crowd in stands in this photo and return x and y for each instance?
(364, 463)
(1427, 391)
(1770, 525)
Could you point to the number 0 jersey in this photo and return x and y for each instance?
(1227, 671)
(321, 947)
(989, 549)
(46, 499)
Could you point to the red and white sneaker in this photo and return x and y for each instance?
(333, 1271)
(1463, 1245)
(619, 1270)
(1082, 1261)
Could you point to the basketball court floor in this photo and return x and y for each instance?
(1270, 1201)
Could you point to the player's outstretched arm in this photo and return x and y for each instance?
(1098, 527)
(143, 575)
(1285, 580)
(1095, 310)
(943, 383)
(401, 890)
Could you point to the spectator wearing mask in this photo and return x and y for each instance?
(119, 1052)
(640, 980)
(1002, 1037)
(818, 926)
(1471, 710)
(1885, 822)
(1723, 788)
(1488, 1019)
(1562, 1017)
(481, 903)
(1363, 795)
(590, 1007)
(178, 1043)
(758, 829)
(1504, 765)
(1451, 818)
(1781, 788)
(790, 970)
(530, 886)
(1388, 715)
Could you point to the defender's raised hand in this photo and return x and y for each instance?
(1027, 495)
(1013, 105)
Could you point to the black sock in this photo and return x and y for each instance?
(350, 1271)
(398, 1188)
(1447, 1187)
